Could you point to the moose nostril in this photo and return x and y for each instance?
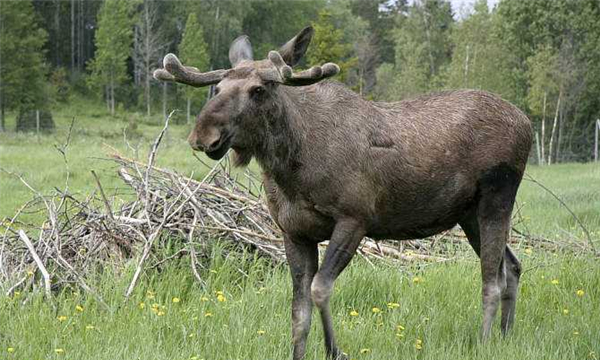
(213, 144)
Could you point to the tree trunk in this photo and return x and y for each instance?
(554, 128)
(57, 35)
(72, 35)
(543, 129)
(112, 95)
(164, 102)
(107, 97)
(188, 110)
(561, 119)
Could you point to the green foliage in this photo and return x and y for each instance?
(193, 52)
(543, 82)
(327, 46)
(113, 42)
(22, 69)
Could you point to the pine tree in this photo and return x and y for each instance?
(113, 41)
(327, 45)
(22, 69)
(193, 52)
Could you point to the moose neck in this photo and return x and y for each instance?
(279, 152)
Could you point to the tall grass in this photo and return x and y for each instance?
(437, 304)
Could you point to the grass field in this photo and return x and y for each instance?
(240, 316)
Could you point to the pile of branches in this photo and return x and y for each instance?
(79, 236)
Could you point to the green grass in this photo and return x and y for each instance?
(443, 310)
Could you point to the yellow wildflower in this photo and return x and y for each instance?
(575, 332)
(213, 271)
(365, 351)
(261, 332)
(376, 310)
(62, 318)
(204, 299)
(393, 305)
(419, 344)
(208, 314)
(554, 282)
(160, 313)
(150, 294)
(11, 350)
(16, 294)
(353, 313)
(191, 335)
(400, 335)
(79, 308)
(580, 293)
(221, 297)
(176, 300)
(89, 327)
(566, 311)
(417, 280)
(29, 273)
(142, 305)
(399, 327)
(528, 251)
(59, 351)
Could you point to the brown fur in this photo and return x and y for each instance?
(339, 167)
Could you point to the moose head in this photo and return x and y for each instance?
(247, 96)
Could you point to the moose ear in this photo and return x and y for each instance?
(240, 50)
(295, 49)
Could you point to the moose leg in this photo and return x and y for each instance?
(509, 296)
(303, 260)
(344, 242)
(511, 268)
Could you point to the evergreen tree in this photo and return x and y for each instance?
(327, 45)
(113, 41)
(23, 85)
(193, 52)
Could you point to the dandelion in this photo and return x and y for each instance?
(204, 299)
(79, 308)
(89, 327)
(353, 313)
(376, 310)
(221, 297)
(400, 328)
(393, 305)
(399, 335)
(575, 332)
(16, 294)
(554, 282)
(528, 251)
(176, 300)
(365, 351)
(62, 318)
(142, 305)
(191, 335)
(580, 293)
(565, 311)
(59, 351)
(160, 313)
(419, 344)
(10, 350)
(417, 280)
(150, 295)
(30, 273)
(261, 332)
(208, 314)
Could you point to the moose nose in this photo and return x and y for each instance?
(213, 145)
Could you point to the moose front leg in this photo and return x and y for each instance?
(345, 240)
(303, 260)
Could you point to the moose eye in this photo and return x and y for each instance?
(257, 91)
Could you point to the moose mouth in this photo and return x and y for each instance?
(221, 150)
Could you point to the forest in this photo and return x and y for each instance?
(540, 55)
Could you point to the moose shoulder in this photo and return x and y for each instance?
(337, 167)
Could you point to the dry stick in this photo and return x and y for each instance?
(579, 222)
(38, 262)
(106, 204)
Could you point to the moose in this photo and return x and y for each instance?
(338, 167)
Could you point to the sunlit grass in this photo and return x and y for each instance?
(247, 316)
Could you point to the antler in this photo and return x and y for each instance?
(176, 72)
(302, 78)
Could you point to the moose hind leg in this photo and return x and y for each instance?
(497, 191)
(509, 296)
